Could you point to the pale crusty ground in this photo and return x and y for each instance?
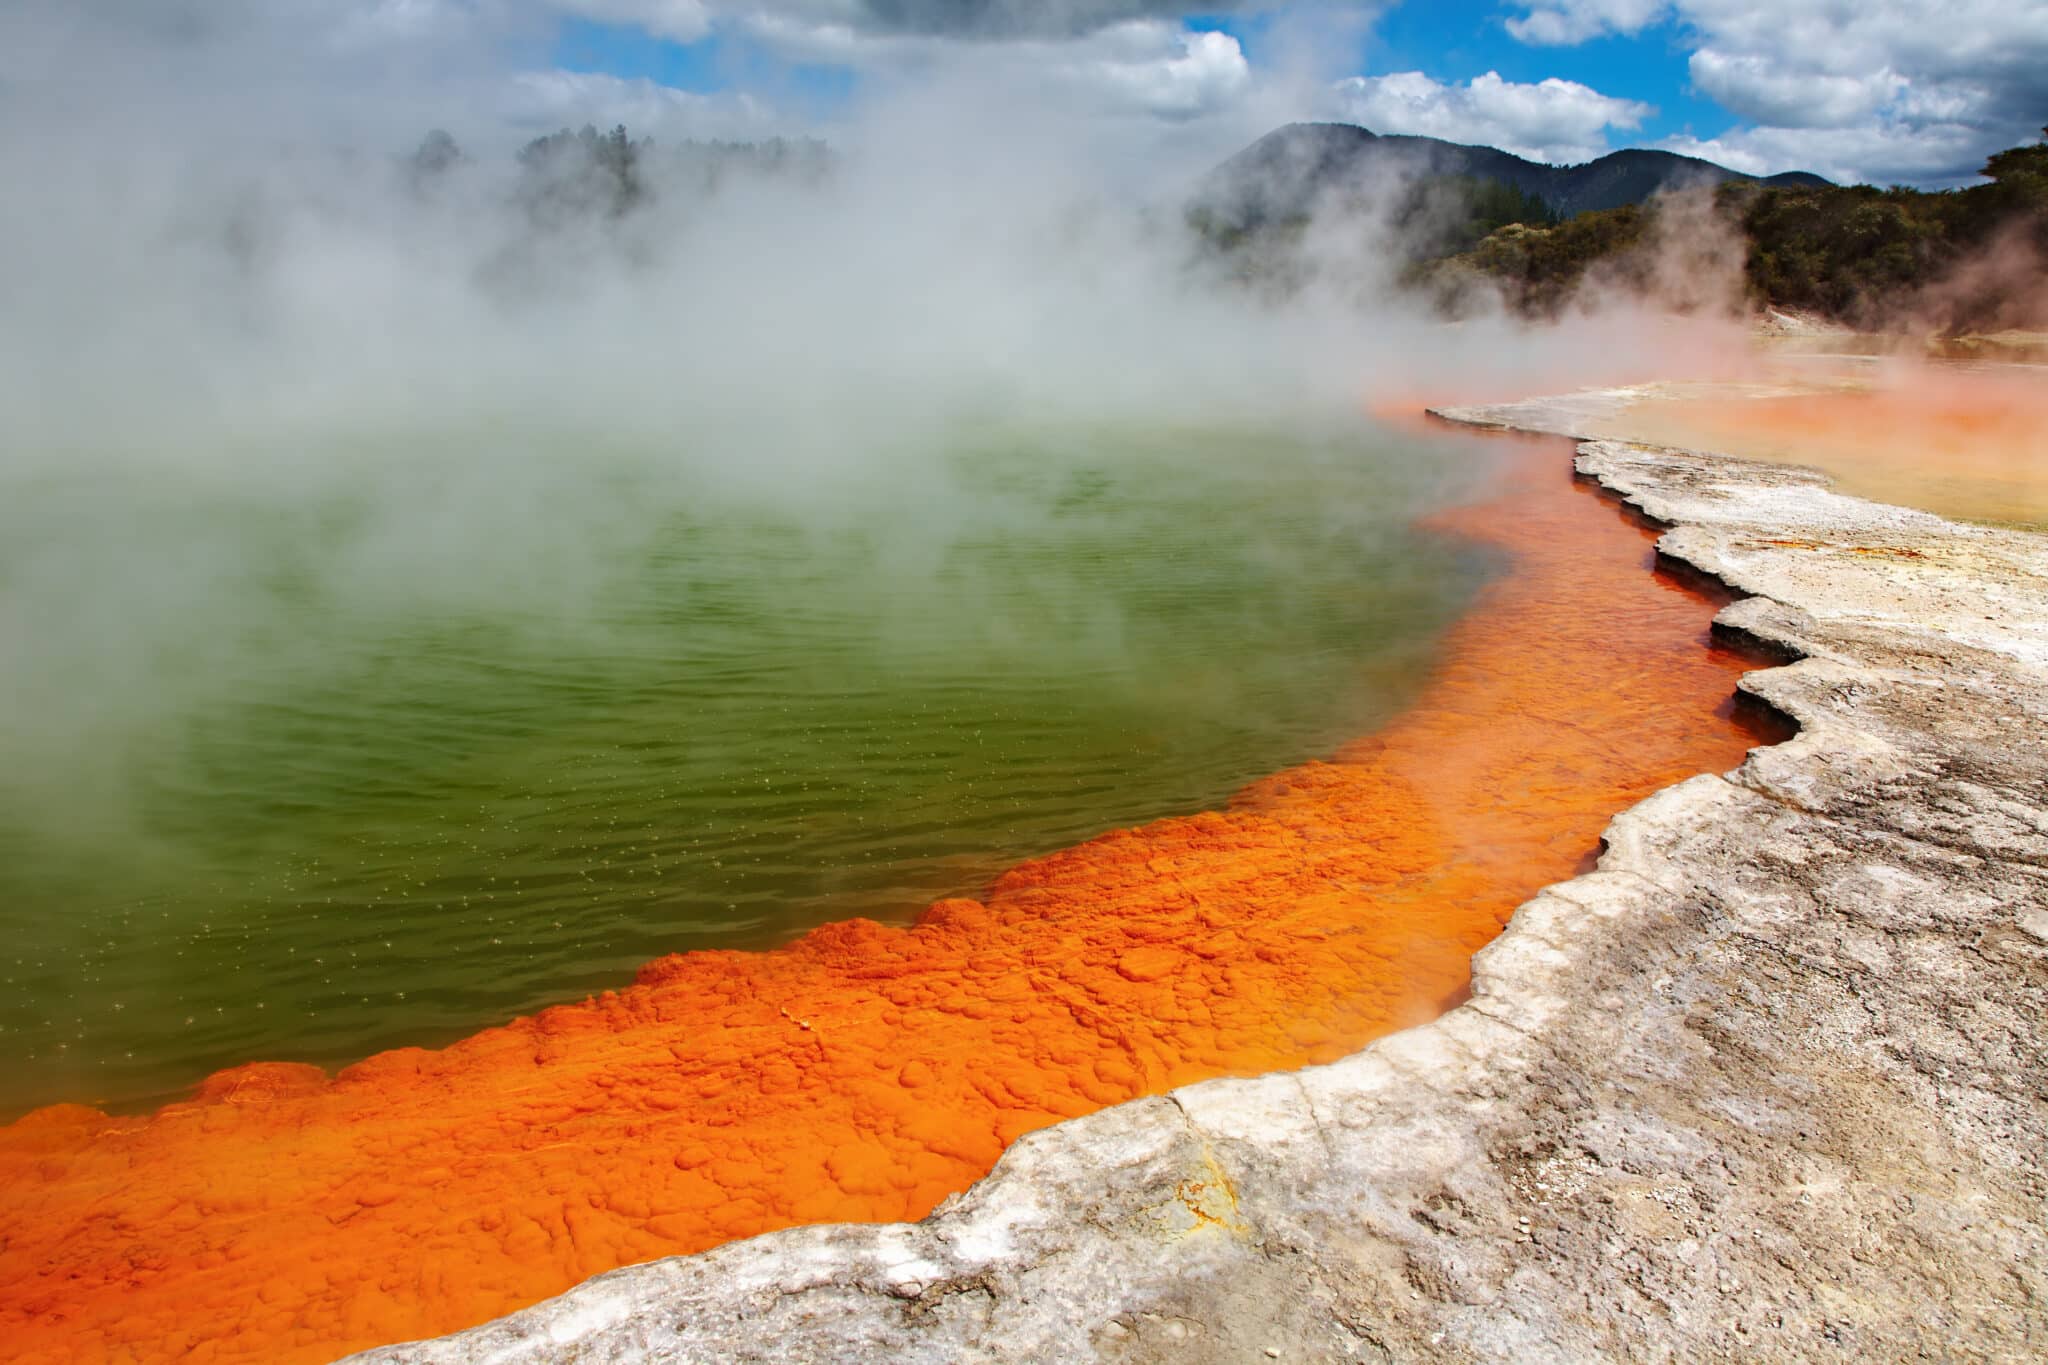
(1767, 1085)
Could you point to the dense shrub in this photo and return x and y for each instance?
(1950, 260)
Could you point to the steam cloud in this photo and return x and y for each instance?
(428, 376)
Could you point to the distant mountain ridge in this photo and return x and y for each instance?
(1285, 173)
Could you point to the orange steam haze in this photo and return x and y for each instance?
(2002, 285)
(1969, 443)
(865, 1072)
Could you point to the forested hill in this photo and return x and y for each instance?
(1285, 174)
(1470, 225)
(1967, 260)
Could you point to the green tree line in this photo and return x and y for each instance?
(1856, 254)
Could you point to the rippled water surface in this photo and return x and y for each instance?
(380, 745)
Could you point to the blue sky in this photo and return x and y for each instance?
(1456, 42)
(719, 63)
(1891, 91)
(1913, 91)
(1449, 41)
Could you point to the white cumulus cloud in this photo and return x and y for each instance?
(546, 100)
(679, 21)
(1771, 92)
(1563, 22)
(1141, 65)
(380, 71)
(1926, 154)
(1169, 72)
(1881, 90)
(1552, 120)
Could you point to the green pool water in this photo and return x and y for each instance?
(314, 755)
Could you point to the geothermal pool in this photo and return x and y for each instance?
(342, 749)
(865, 1071)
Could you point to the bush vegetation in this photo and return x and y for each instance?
(1857, 254)
(1943, 260)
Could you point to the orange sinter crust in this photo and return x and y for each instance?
(865, 1072)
